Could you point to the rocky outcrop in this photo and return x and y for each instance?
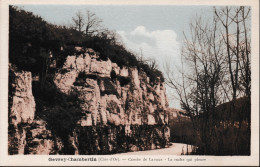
(21, 109)
(21, 101)
(26, 135)
(122, 110)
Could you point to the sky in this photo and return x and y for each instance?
(155, 30)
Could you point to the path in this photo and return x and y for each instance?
(174, 149)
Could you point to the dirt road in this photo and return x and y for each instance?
(174, 149)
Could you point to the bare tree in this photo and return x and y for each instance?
(153, 64)
(141, 58)
(87, 23)
(216, 60)
(237, 44)
(78, 21)
(93, 23)
(245, 52)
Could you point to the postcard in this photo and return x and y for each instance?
(129, 83)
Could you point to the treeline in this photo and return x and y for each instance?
(227, 134)
(214, 84)
(31, 39)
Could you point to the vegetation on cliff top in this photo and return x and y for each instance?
(31, 43)
(31, 39)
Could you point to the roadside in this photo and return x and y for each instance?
(174, 149)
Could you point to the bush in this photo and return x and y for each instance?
(124, 80)
(60, 111)
(63, 71)
(109, 87)
(228, 130)
(31, 39)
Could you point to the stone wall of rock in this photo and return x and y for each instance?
(26, 135)
(122, 110)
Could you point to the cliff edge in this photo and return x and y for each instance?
(114, 109)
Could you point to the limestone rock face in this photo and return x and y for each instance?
(124, 72)
(106, 101)
(22, 104)
(25, 134)
(21, 109)
(121, 110)
(102, 68)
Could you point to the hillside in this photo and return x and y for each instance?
(31, 39)
(72, 93)
(229, 127)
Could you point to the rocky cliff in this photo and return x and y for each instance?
(120, 110)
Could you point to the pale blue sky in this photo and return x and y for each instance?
(155, 29)
(126, 17)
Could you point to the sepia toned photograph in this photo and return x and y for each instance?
(126, 80)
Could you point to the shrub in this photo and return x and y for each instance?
(109, 87)
(31, 39)
(63, 71)
(124, 80)
(81, 79)
(59, 110)
(113, 75)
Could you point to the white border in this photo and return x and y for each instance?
(42, 160)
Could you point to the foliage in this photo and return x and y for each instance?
(227, 137)
(181, 130)
(124, 80)
(27, 33)
(154, 74)
(32, 39)
(106, 45)
(59, 110)
(110, 87)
